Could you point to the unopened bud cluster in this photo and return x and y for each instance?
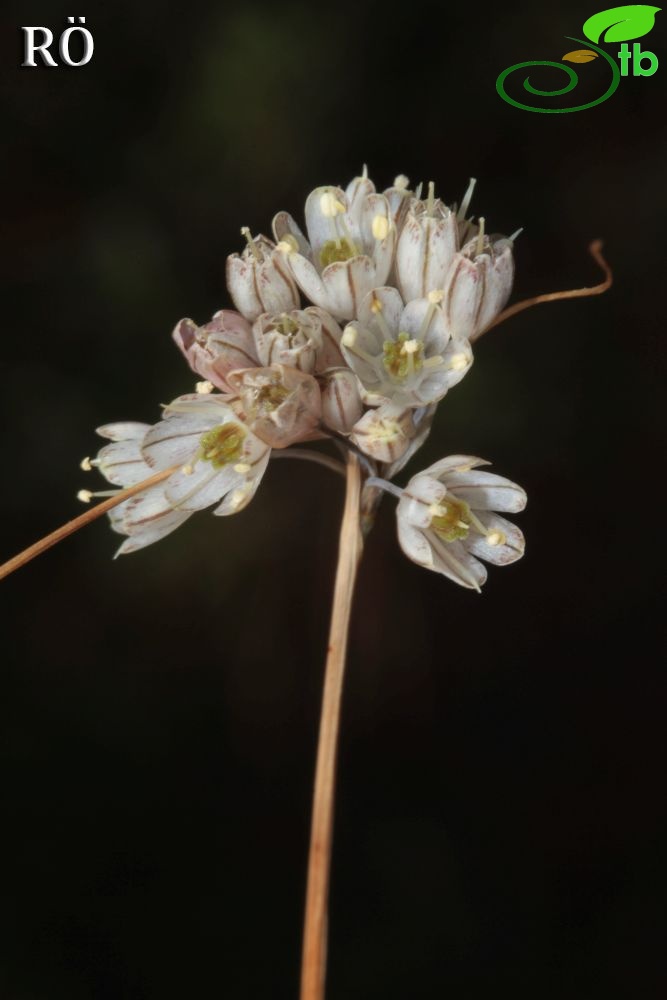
(353, 332)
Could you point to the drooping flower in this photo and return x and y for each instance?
(404, 354)
(219, 458)
(447, 520)
(218, 347)
(148, 516)
(307, 339)
(350, 245)
(280, 404)
(258, 279)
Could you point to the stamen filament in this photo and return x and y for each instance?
(480, 237)
(467, 198)
(245, 231)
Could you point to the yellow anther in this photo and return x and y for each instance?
(436, 296)
(86, 464)
(459, 361)
(380, 227)
(242, 468)
(203, 388)
(187, 470)
(288, 244)
(402, 183)
(496, 538)
(349, 337)
(411, 346)
(85, 496)
(330, 206)
(376, 305)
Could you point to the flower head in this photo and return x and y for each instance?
(447, 520)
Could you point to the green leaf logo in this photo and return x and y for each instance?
(621, 24)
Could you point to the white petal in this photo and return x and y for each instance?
(485, 491)
(424, 254)
(239, 497)
(202, 487)
(320, 228)
(308, 279)
(123, 464)
(154, 534)
(434, 335)
(175, 441)
(126, 430)
(463, 297)
(453, 463)
(284, 225)
(414, 544)
(455, 562)
(346, 283)
(499, 278)
(329, 355)
(500, 555)
(392, 309)
(356, 193)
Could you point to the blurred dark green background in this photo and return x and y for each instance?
(500, 816)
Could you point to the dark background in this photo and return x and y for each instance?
(500, 812)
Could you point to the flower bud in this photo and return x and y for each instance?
(259, 280)
(280, 404)
(218, 347)
(341, 402)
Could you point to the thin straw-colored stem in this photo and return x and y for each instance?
(79, 522)
(313, 968)
(595, 250)
(318, 457)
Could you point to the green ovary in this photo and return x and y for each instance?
(399, 363)
(269, 398)
(222, 445)
(335, 251)
(454, 520)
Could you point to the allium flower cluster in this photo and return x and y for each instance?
(353, 332)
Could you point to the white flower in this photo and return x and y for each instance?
(350, 245)
(478, 284)
(404, 354)
(147, 516)
(447, 521)
(426, 247)
(259, 280)
(306, 339)
(220, 460)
